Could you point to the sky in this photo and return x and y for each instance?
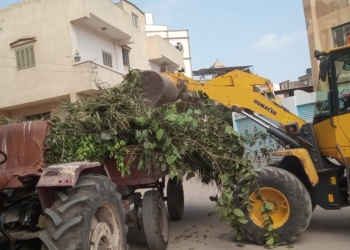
(270, 34)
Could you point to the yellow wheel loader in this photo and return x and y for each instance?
(314, 169)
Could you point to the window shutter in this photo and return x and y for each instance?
(18, 59)
(107, 59)
(25, 57)
(32, 57)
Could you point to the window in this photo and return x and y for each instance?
(340, 33)
(126, 61)
(342, 71)
(25, 57)
(107, 59)
(135, 20)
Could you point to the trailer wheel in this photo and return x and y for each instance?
(89, 216)
(289, 198)
(155, 220)
(176, 199)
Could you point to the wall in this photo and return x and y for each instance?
(138, 54)
(321, 16)
(90, 46)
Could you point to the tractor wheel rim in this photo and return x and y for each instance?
(101, 237)
(105, 230)
(279, 203)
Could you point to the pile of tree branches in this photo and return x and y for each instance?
(190, 135)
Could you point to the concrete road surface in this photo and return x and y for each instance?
(200, 229)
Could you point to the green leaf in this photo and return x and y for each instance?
(262, 209)
(198, 112)
(189, 111)
(145, 133)
(270, 241)
(238, 212)
(164, 166)
(147, 145)
(172, 173)
(160, 133)
(170, 159)
(270, 228)
(229, 130)
(224, 179)
(268, 206)
(171, 117)
(242, 221)
(141, 121)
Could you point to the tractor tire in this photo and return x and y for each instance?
(155, 220)
(86, 217)
(289, 198)
(175, 199)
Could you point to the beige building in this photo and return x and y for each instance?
(53, 50)
(328, 24)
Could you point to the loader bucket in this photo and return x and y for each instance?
(159, 89)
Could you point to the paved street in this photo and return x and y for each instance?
(200, 229)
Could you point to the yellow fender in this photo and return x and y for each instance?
(305, 160)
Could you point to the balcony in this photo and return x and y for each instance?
(64, 82)
(160, 52)
(104, 18)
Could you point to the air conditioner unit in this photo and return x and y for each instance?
(179, 46)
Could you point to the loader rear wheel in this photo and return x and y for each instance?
(89, 216)
(155, 220)
(176, 199)
(289, 198)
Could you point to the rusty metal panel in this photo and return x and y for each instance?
(65, 174)
(24, 144)
(136, 176)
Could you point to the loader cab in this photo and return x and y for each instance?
(332, 104)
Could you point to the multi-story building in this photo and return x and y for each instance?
(288, 87)
(54, 50)
(328, 24)
(179, 38)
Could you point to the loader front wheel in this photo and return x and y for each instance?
(289, 199)
(89, 216)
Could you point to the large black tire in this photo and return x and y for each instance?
(87, 215)
(298, 198)
(155, 220)
(175, 199)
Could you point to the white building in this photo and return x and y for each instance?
(178, 38)
(54, 50)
